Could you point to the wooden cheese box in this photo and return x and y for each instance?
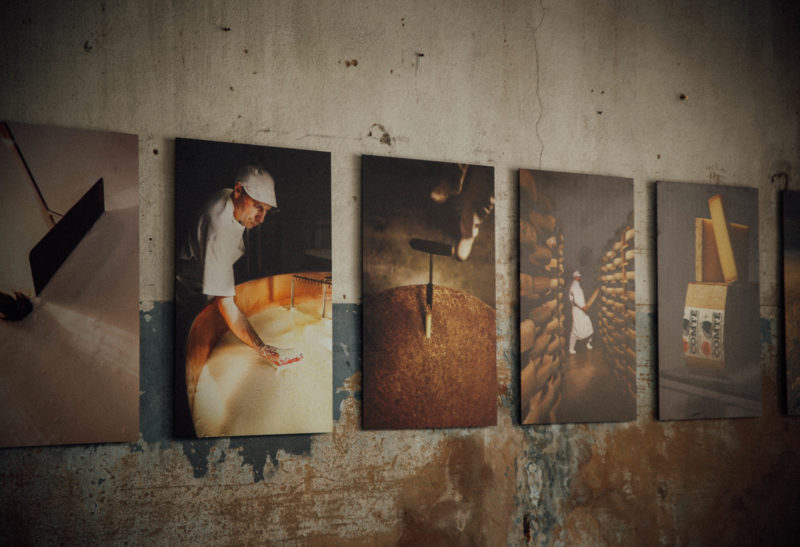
(720, 316)
(720, 327)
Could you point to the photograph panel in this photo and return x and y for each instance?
(69, 286)
(791, 292)
(253, 263)
(577, 298)
(429, 326)
(708, 301)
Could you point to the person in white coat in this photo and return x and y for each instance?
(214, 243)
(581, 323)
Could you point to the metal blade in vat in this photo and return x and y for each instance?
(49, 254)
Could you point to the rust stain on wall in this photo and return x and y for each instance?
(695, 482)
(461, 497)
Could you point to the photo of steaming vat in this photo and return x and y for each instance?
(69, 286)
(577, 298)
(791, 294)
(428, 294)
(709, 354)
(253, 322)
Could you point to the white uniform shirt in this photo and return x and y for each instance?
(214, 245)
(581, 324)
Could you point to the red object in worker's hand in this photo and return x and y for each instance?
(289, 360)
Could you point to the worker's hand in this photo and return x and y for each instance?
(585, 308)
(270, 353)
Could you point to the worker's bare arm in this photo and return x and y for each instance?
(243, 330)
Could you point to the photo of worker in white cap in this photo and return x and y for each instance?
(252, 290)
(206, 258)
(581, 322)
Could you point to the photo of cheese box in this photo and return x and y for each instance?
(722, 298)
(708, 295)
(711, 311)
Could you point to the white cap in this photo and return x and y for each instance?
(258, 184)
(576, 273)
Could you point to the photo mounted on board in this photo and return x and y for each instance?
(428, 294)
(709, 340)
(577, 298)
(253, 347)
(69, 286)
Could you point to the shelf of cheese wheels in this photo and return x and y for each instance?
(616, 323)
(541, 278)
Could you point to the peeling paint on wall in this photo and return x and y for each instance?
(346, 355)
(378, 131)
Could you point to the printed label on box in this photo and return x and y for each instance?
(702, 333)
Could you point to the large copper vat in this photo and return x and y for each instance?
(251, 297)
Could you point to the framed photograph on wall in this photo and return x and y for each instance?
(791, 294)
(253, 348)
(577, 298)
(428, 294)
(708, 301)
(69, 286)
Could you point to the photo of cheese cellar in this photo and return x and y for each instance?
(577, 298)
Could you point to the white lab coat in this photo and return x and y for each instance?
(212, 246)
(581, 324)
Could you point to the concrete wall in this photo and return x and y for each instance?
(581, 86)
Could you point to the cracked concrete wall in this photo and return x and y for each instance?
(580, 86)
